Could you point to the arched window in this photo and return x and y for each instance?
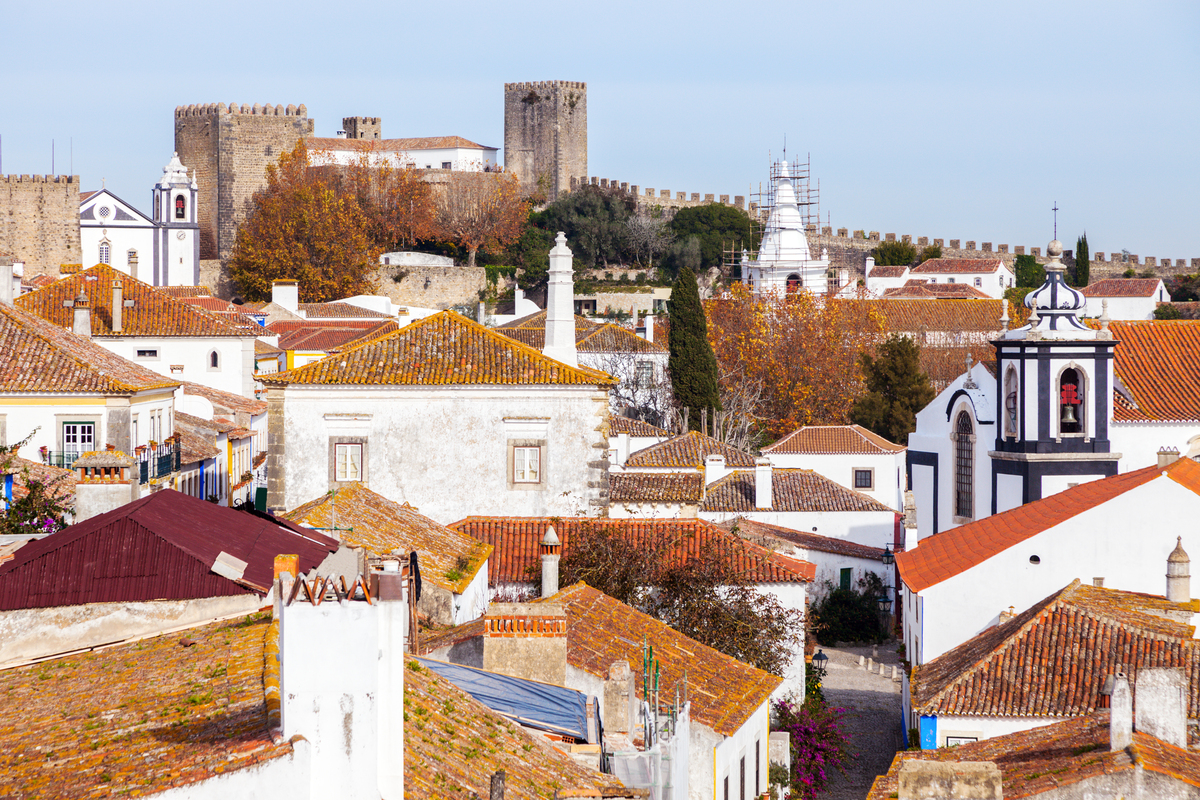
(793, 283)
(964, 467)
(214, 360)
(979, 283)
(1011, 403)
(180, 207)
(1070, 401)
(105, 253)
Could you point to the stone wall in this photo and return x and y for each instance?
(229, 148)
(39, 221)
(432, 286)
(662, 199)
(545, 133)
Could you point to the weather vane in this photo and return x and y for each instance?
(1055, 210)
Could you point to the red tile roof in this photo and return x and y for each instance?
(943, 266)
(138, 718)
(655, 487)
(1054, 758)
(61, 481)
(610, 338)
(1123, 287)
(443, 349)
(918, 316)
(1052, 660)
(394, 145)
(688, 451)
(153, 313)
(516, 541)
(195, 445)
(888, 271)
(791, 490)
(635, 427)
(184, 291)
(226, 402)
(1159, 364)
(325, 337)
(39, 356)
(956, 550)
(834, 440)
(922, 290)
(764, 534)
(340, 311)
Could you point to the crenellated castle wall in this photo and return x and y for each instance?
(661, 198)
(39, 221)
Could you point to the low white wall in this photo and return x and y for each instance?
(987, 727)
(29, 633)
(287, 776)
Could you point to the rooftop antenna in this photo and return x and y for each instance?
(51, 156)
(1055, 210)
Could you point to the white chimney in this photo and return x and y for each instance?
(1167, 456)
(1179, 578)
(551, 552)
(649, 318)
(102, 483)
(560, 305)
(118, 305)
(81, 321)
(1162, 696)
(1120, 725)
(870, 265)
(762, 483)
(6, 284)
(714, 469)
(286, 294)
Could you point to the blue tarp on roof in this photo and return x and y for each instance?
(530, 703)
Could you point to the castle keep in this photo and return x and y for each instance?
(545, 134)
(39, 221)
(229, 148)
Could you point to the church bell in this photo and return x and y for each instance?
(1068, 414)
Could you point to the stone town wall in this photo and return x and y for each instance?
(229, 148)
(432, 286)
(545, 134)
(39, 221)
(662, 198)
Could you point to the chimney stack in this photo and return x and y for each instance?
(6, 283)
(1162, 696)
(118, 304)
(286, 295)
(1120, 725)
(1167, 456)
(1179, 578)
(762, 483)
(102, 484)
(551, 551)
(714, 468)
(560, 306)
(81, 322)
(649, 323)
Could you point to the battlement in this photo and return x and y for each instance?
(39, 178)
(363, 127)
(659, 197)
(535, 85)
(268, 110)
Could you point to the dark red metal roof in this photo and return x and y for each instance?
(161, 547)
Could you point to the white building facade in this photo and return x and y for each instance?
(784, 263)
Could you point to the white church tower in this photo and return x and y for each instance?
(177, 233)
(784, 263)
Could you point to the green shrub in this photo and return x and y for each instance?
(849, 615)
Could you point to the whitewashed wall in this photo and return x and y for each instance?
(987, 727)
(839, 468)
(23, 414)
(234, 373)
(726, 760)
(1128, 308)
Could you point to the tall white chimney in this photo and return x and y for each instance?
(81, 320)
(6, 283)
(551, 552)
(118, 304)
(1120, 721)
(649, 318)
(1179, 574)
(714, 468)
(762, 483)
(286, 294)
(560, 306)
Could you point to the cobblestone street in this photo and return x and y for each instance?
(873, 719)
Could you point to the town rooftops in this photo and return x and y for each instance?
(1053, 659)
(227, 402)
(834, 440)
(58, 482)
(138, 718)
(655, 487)
(394, 145)
(1158, 365)
(184, 291)
(167, 546)
(889, 271)
(635, 427)
(956, 266)
(954, 551)
(326, 336)
(38, 356)
(337, 310)
(791, 490)
(590, 336)
(688, 452)
(924, 290)
(1122, 287)
(152, 313)
(443, 349)
(762, 533)
(448, 558)
(517, 539)
(1053, 758)
(952, 316)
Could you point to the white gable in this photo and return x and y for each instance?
(103, 209)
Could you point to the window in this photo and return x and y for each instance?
(793, 283)
(979, 282)
(742, 780)
(147, 352)
(1010, 403)
(527, 465)
(964, 464)
(845, 577)
(105, 257)
(951, 741)
(949, 280)
(78, 438)
(347, 462)
(180, 207)
(1070, 401)
(446, 165)
(645, 374)
(214, 360)
(864, 479)
(131, 258)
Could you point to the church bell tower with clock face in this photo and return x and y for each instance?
(177, 234)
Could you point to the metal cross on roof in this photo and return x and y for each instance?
(1055, 210)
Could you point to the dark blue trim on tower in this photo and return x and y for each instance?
(923, 459)
(1045, 395)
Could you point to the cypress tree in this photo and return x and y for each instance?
(692, 365)
(1083, 264)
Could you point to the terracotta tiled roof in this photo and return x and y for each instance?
(453, 744)
(531, 329)
(590, 337)
(443, 349)
(953, 551)
(634, 427)
(834, 440)
(185, 291)
(791, 490)
(933, 291)
(214, 304)
(1053, 758)
(38, 281)
(339, 311)
(39, 356)
(655, 487)
(688, 451)
(516, 541)
(227, 402)
(394, 145)
(262, 348)
(195, 444)
(1052, 659)
(888, 271)
(942, 266)
(329, 336)
(1123, 287)
(61, 481)
(83, 196)
(448, 558)
(1159, 364)
(153, 313)
(762, 533)
(138, 718)
(202, 426)
(283, 326)
(378, 332)
(915, 316)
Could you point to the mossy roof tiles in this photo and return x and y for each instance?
(1122, 287)
(448, 558)
(762, 533)
(443, 349)
(952, 316)
(655, 487)
(635, 427)
(590, 336)
(834, 440)
(1159, 364)
(942, 266)
(791, 490)
(688, 452)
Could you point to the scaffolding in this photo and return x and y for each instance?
(762, 203)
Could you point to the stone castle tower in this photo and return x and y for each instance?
(545, 134)
(362, 127)
(228, 148)
(39, 221)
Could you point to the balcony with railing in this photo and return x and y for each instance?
(157, 462)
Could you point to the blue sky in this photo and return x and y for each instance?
(948, 120)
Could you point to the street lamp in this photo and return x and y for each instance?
(888, 558)
(819, 661)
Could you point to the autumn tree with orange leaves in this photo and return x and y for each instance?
(791, 360)
(397, 201)
(481, 210)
